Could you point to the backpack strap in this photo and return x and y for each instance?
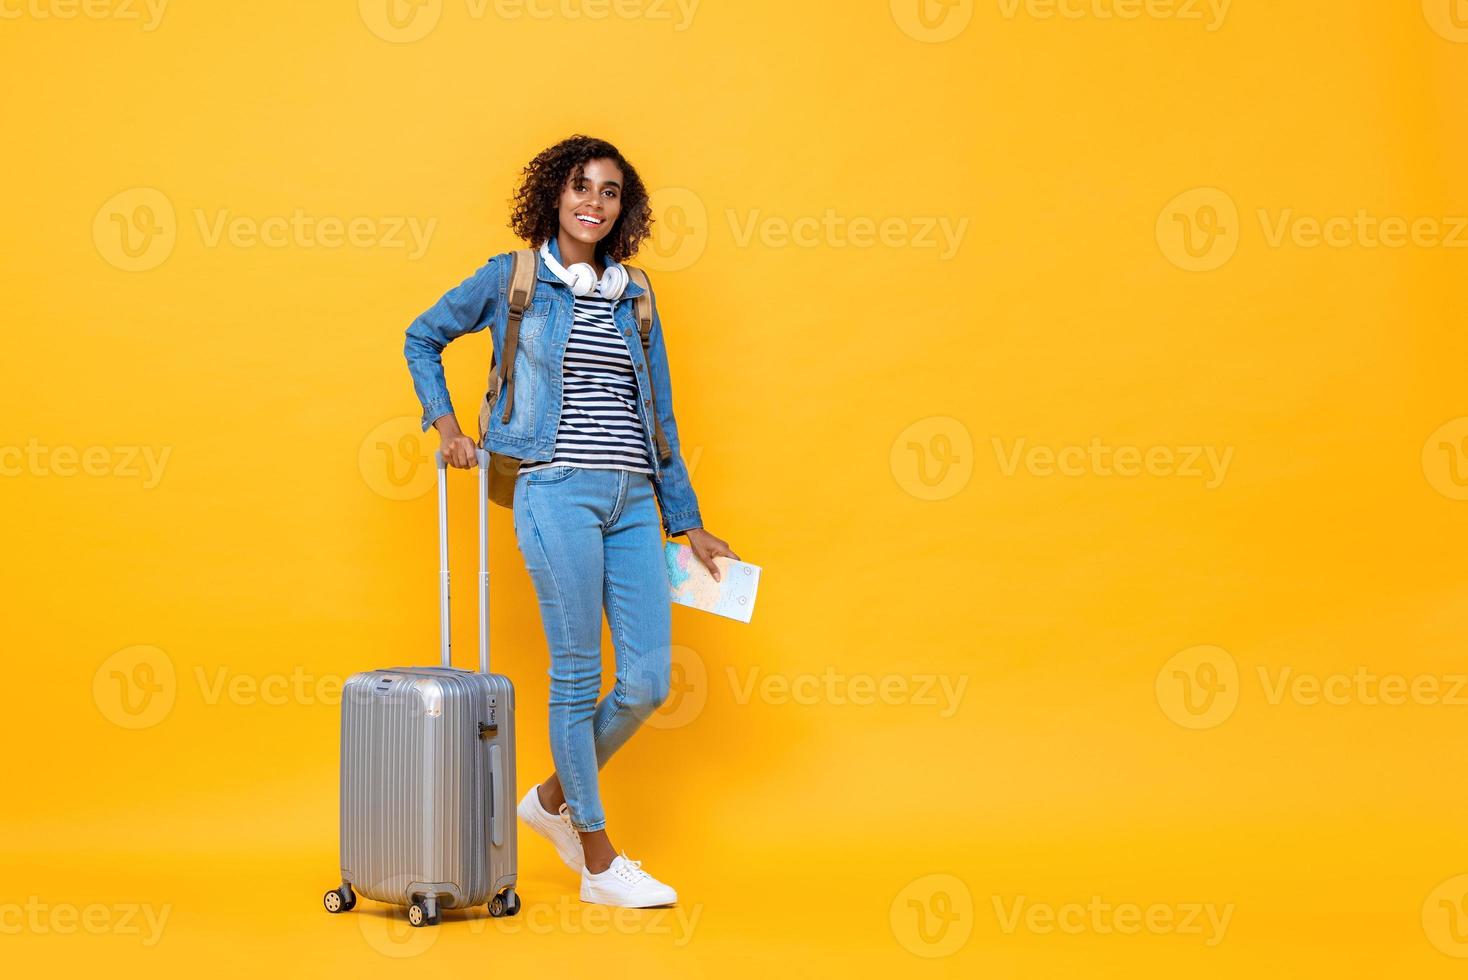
(502, 370)
(642, 307)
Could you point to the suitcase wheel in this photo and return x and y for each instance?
(341, 899)
(505, 903)
(423, 912)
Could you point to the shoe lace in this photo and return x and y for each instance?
(565, 814)
(630, 870)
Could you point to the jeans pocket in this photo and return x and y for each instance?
(551, 474)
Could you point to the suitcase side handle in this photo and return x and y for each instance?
(499, 798)
(445, 651)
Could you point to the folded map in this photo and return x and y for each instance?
(691, 584)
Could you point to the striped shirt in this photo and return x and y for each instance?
(599, 426)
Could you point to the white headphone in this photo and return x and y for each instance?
(581, 277)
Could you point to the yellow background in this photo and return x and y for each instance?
(839, 402)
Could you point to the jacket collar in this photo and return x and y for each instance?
(544, 274)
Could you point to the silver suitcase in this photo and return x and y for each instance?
(428, 770)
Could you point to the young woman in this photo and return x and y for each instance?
(585, 406)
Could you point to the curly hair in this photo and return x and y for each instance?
(535, 208)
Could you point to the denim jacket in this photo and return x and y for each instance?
(479, 302)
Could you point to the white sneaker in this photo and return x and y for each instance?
(626, 885)
(554, 827)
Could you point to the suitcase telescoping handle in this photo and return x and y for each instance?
(444, 646)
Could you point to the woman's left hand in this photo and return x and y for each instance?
(706, 546)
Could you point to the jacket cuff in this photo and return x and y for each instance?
(674, 524)
(434, 412)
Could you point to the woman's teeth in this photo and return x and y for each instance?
(587, 219)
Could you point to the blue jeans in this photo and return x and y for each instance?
(593, 538)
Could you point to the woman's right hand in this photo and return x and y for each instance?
(457, 449)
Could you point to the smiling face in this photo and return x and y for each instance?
(582, 174)
(591, 202)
